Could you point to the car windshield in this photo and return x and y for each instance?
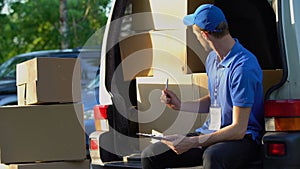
(8, 69)
(94, 83)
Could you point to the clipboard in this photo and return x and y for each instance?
(150, 136)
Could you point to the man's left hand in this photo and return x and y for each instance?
(179, 143)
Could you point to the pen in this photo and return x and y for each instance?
(167, 83)
(150, 135)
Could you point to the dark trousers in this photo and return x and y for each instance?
(223, 155)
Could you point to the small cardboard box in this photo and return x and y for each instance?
(162, 15)
(42, 133)
(84, 164)
(49, 80)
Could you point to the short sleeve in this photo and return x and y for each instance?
(243, 84)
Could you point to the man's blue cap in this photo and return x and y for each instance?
(206, 17)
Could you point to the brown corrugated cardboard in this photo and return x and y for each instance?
(42, 133)
(85, 164)
(271, 78)
(200, 84)
(200, 88)
(162, 15)
(156, 52)
(169, 52)
(136, 53)
(154, 115)
(196, 55)
(49, 80)
(153, 51)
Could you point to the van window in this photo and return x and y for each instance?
(254, 24)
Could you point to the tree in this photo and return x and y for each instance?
(34, 25)
(64, 27)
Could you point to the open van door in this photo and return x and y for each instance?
(146, 43)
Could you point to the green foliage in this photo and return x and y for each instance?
(34, 25)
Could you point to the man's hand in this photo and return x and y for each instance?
(170, 99)
(180, 144)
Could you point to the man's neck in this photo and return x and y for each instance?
(224, 46)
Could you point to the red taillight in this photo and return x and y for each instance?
(100, 112)
(100, 117)
(276, 149)
(282, 115)
(282, 108)
(94, 144)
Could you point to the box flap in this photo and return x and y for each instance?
(26, 71)
(137, 56)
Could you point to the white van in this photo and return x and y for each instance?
(146, 43)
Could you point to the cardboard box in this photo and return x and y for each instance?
(42, 133)
(137, 56)
(85, 164)
(154, 115)
(169, 52)
(200, 88)
(196, 55)
(154, 53)
(162, 15)
(200, 82)
(49, 80)
(270, 78)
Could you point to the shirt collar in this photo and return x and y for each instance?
(230, 57)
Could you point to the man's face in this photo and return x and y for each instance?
(201, 39)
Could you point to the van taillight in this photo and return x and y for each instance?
(94, 144)
(282, 115)
(276, 149)
(100, 117)
(100, 111)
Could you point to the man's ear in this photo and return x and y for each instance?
(205, 35)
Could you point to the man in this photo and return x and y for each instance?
(230, 138)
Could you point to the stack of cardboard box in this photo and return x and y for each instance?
(161, 47)
(46, 129)
(160, 41)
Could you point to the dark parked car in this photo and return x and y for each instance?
(89, 65)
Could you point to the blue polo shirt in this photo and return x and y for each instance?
(240, 84)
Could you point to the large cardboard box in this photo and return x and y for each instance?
(49, 80)
(153, 53)
(137, 56)
(42, 133)
(169, 52)
(155, 116)
(85, 164)
(162, 15)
